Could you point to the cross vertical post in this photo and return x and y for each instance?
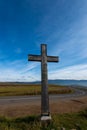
(43, 58)
(44, 77)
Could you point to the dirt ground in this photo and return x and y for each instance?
(59, 106)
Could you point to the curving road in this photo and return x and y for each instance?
(26, 99)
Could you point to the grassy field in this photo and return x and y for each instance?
(26, 89)
(72, 120)
(76, 121)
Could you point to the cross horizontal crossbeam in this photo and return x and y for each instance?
(39, 58)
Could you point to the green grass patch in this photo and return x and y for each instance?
(76, 121)
(27, 89)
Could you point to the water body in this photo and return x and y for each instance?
(69, 82)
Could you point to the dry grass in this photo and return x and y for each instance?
(27, 89)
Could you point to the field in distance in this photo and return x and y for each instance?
(14, 89)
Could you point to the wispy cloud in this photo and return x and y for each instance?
(29, 67)
(18, 71)
(72, 46)
(61, 24)
(71, 72)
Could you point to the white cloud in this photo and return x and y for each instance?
(18, 71)
(28, 67)
(69, 42)
(72, 72)
(31, 72)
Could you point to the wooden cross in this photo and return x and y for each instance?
(43, 58)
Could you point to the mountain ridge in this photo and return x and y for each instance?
(56, 81)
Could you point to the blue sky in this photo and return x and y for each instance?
(25, 24)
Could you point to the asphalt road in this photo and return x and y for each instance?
(26, 99)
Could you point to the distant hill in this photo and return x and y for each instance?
(56, 81)
(66, 82)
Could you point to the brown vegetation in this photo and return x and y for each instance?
(14, 89)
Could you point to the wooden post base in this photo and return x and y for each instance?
(45, 120)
